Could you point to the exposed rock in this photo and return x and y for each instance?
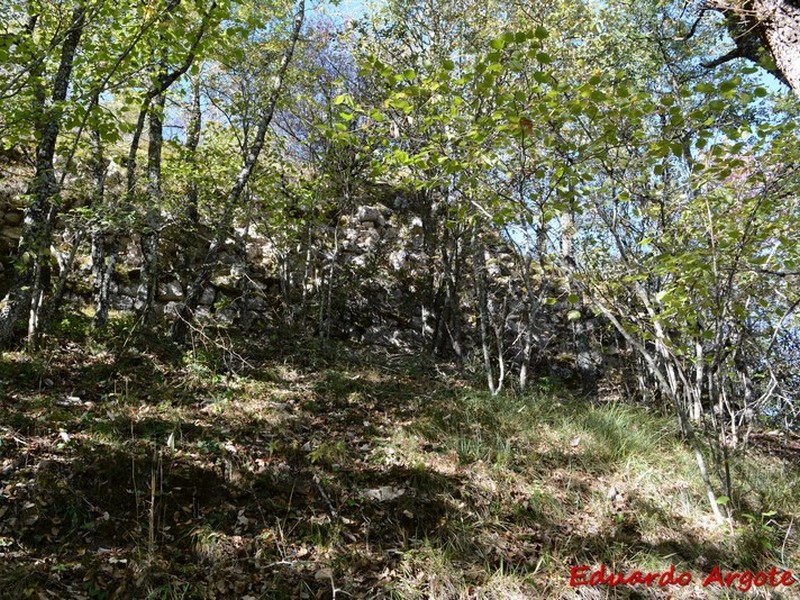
(257, 303)
(12, 233)
(358, 260)
(207, 297)
(13, 218)
(254, 252)
(171, 309)
(226, 258)
(122, 302)
(373, 214)
(130, 291)
(368, 238)
(170, 292)
(225, 284)
(133, 252)
(398, 259)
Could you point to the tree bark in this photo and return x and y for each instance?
(766, 32)
(35, 241)
(482, 300)
(180, 326)
(103, 254)
(152, 234)
(192, 143)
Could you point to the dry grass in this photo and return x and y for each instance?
(146, 473)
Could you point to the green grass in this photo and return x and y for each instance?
(299, 475)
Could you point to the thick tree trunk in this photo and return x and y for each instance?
(764, 30)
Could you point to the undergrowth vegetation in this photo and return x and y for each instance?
(133, 470)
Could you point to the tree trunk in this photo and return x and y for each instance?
(481, 293)
(764, 30)
(580, 327)
(669, 392)
(35, 241)
(152, 234)
(191, 247)
(180, 326)
(192, 143)
(103, 255)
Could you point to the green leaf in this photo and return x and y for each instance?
(541, 33)
(573, 315)
(730, 84)
(704, 88)
(497, 43)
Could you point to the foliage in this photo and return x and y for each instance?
(517, 191)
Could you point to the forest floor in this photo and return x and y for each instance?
(131, 470)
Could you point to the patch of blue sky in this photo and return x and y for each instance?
(344, 11)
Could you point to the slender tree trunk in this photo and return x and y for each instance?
(580, 328)
(479, 271)
(130, 164)
(103, 254)
(533, 305)
(455, 330)
(185, 314)
(191, 248)
(26, 291)
(668, 391)
(152, 234)
(192, 143)
(64, 270)
(498, 318)
(163, 82)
